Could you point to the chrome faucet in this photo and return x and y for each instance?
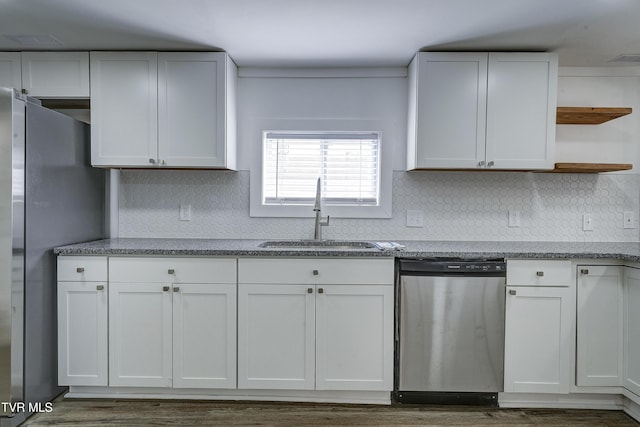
(317, 234)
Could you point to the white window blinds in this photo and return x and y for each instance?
(347, 163)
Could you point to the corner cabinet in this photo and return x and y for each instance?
(315, 324)
(632, 329)
(599, 307)
(538, 326)
(163, 109)
(482, 111)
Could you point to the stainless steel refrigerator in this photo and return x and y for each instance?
(49, 196)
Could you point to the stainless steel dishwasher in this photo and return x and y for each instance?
(450, 330)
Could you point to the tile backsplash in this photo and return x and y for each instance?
(455, 206)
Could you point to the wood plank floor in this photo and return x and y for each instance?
(87, 413)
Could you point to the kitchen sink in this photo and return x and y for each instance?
(315, 244)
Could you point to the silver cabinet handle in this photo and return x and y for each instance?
(176, 289)
(490, 164)
(99, 287)
(171, 271)
(152, 161)
(584, 271)
(165, 288)
(316, 272)
(512, 291)
(481, 163)
(539, 273)
(80, 269)
(309, 290)
(162, 162)
(320, 291)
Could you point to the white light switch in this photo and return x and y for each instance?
(185, 212)
(415, 218)
(514, 218)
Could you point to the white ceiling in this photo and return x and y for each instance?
(331, 33)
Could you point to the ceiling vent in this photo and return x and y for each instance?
(34, 39)
(627, 58)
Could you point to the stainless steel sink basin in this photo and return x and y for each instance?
(315, 244)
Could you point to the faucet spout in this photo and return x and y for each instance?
(319, 223)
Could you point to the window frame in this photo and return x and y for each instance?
(381, 127)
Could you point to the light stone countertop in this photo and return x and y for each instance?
(414, 249)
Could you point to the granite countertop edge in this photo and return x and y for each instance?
(627, 251)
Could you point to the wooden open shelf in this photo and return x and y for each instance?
(588, 115)
(590, 167)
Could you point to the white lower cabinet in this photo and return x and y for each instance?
(599, 360)
(538, 329)
(632, 329)
(82, 321)
(168, 333)
(299, 328)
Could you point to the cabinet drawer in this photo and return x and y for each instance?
(172, 270)
(538, 273)
(82, 269)
(316, 271)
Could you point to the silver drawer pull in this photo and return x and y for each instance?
(80, 269)
(490, 164)
(316, 272)
(584, 271)
(176, 289)
(309, 290)
(100, 287)
(512, 291)
(171, 271)
(165, 288)
(539, 273)
(152, 161)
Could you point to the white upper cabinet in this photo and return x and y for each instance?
(172, 110)
(56, 74)
(10, 66)
(482, 110)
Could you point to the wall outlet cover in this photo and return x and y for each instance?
(185, 212)
(587, 222)
(415, 218)
(629, 220)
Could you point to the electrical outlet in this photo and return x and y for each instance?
(629, 220)
(415, 218)
(514, 218)
(587, 222)
(185, 212)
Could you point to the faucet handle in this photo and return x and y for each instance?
(325, 222)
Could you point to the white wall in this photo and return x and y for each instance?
(456, 205)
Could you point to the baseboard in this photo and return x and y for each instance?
(318, 396)
(563, 401)
(632, 405)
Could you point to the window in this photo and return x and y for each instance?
(347, 163)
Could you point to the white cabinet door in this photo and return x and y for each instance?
(482, 110)
(632, 329)
(56, 74)
(599, 330)
(140, 334)
(191, 109)
(537, 339)
(10, 70)
(354, 337)
(82, 333)
(124, 109)
(276, 339)
(447, 110)
(521, 110)
(204, 331)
